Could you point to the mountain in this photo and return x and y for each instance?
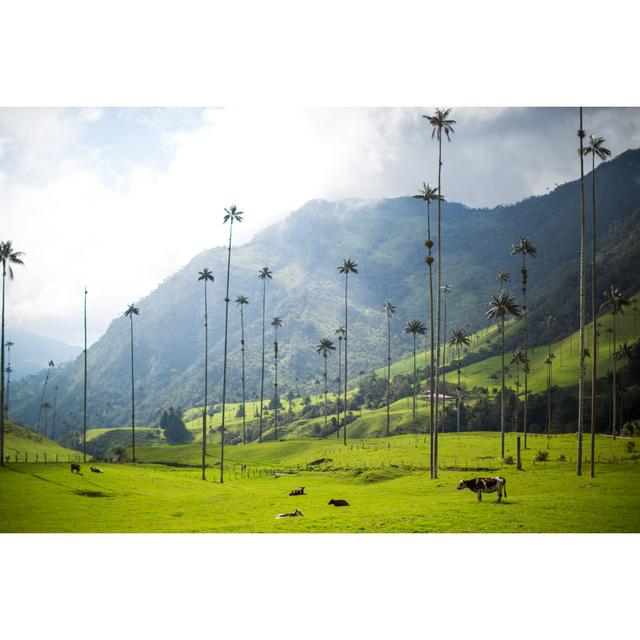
(30, 352)
(385, 238)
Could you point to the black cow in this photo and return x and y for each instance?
(297, 492)
(339, 503)
(478, 485)
(297, 512)
(75, 467)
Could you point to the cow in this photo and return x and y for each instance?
(478, 485)
(75, 467)
(339, 503)
(95, 469)
(297, 512)
(7, 458)
(297, 492)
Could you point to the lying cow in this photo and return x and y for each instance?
(339, 503)
(75, 467)
(95, 469)
(297, 492)
(297, 512)
(478, 485)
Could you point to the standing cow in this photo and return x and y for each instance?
(478, 485)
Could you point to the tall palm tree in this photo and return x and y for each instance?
(440, 123)
(551, 323)
(622, 355)
(8, 370)
(501, 307)
(615, 302)
(459, 339)
(46, 405)
(389, 309)
(131, 311)
(594, 148)
(520, 360)
(414, 328)
(446, 290)
(348, 266)
(241, 301)
(53, 421)
(340, 332)
(525, 248)
(231, 215)
(50, 366)
(84, 391)
(8, 257)
(276, 323)
(264, 274)
(324, 349)
(428, 195)
(503, 277)
(205, 276)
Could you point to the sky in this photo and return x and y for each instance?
(118, 199)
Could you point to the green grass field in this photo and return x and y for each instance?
(22, 442)
(384, 481)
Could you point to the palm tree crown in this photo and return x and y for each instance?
(325, 347)
(427, 193)
(132, 310)
(276, 323)
(503, 305)
(597, 148)
(8, 257)
(525, 247)
(241, 300)
(415, 327)
(265, 274)
(348, 266)
(205, 274)
(503, 276)
(389, 309)
(615, 301)
(233, 214)
(459, 338)
(440, 122)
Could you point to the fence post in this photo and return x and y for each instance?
(26, 457)
(36, 457)
(45, 457)
(518, 456)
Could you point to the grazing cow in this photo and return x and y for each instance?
(75, 467)
(478, 485)
(297, 492)
(339, 503)
(297, 512)
(95, 469)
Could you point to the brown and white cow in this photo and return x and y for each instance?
(478, 485)
(96, 469)
(75, 467)
(297, 512)
(297, 492)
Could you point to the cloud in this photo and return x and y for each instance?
(118, 199)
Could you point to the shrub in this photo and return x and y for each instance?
(542, 456)
(509, 460)
(630, 446)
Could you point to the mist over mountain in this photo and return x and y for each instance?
(385, 238)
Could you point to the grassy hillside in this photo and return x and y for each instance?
(22, 442)
(136, 498)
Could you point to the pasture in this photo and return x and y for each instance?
(386, 485)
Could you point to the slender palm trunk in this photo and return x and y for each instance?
(4, 277)
(502, 394)
(614, 393)
(133, 400)
(206, 383)
(526, 350)
(415, 382)
(438, 301)
(275, 387)
(388, 371)
(244, 408)
(458, 406)
(53, 422)
(581, 297)
(224, 366)
(346, 333)
(44, 391)
(549, 398)
(264, 302)
(444, 359)
(6, 398)
(326, 394)
(594, 332)
(84, 412)
(432, 381)
(339, 382)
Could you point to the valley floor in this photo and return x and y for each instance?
(545, 497)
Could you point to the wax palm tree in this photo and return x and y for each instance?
(348, 266)
(205, 276)
(501, 307)
(525, 248)
(414, 328)
(503, 277)
(231, 215)
(8, 370)
(8, 257)
(459, 339)
(50, 366)
(46, 405)
(264, 274)
(519, 359)
(428, 195)
(551, 323)
(594, 148)
(324, 349)
(276, 323)
(241, 301)
(131, 311)
(446, 290)
(340, 332)
(53, 421)
(440, 123)
(389, 309)
(615, 302)
(84, 391)
(623, 354)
